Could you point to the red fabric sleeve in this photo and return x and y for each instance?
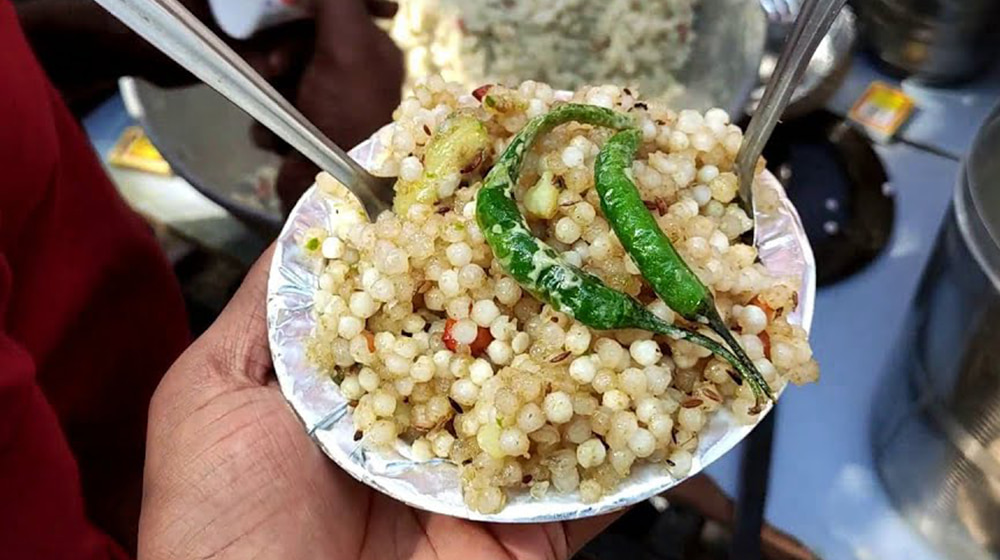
(90, 319)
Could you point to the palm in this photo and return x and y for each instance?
(232, 474)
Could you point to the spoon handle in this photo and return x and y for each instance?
(814, 20)
(170, 27)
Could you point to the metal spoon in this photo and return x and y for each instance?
(814, 20)
(170, 27)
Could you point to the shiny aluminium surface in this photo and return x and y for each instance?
(936, 433)
(435, 485)
(935, 41)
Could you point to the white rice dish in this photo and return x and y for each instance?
(565, 43)
(436, 346)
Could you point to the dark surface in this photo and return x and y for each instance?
(840, 188)
(644, 533)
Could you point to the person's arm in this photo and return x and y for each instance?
(43, 515)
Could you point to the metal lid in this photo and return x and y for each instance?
(977, 204)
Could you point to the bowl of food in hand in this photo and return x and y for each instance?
(557, 319)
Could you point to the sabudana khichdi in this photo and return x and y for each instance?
(437, 344)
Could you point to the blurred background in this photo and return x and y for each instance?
(887, 152)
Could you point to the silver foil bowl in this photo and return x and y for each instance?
(435, 485)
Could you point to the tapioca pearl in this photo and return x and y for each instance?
(464, 392)
(661, 310)
(658, 378)
(464, 331)
(689, 121)
(661, 425)
(530, 418)
(609, 352)
(499, 352)
(423, 369)
(707, 173)
(558, 407)
(448, 283)
(362, 305)
(410, 169)
(642, 443)
(350, 388)
(480, 371)
(459, 254)
(578, 339)
(349, 326)
(691, 419)
(616, 400)
(621, 460)
(519, 344)
(514, 442)
(484, 312)
(383, 404)
(591, 453)
(645, 352)
(679, 463)
(572, 157)
(567, 230)
(583, 369)
(752, 319)
(508, 292)
(783, 355)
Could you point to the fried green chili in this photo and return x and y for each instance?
(653, 253)
(458, 144)
(540, 269)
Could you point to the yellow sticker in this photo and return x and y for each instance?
(882, 109)
(134, 150)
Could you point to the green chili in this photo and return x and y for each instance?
(539, 268)
(671, 278)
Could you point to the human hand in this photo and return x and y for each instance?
(231, 473)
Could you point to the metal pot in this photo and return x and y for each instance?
(936, 425)
(935, 41)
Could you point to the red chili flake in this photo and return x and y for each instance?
(765, 341)
(480, 92)
(478, 346)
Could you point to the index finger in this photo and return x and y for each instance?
(236, 346)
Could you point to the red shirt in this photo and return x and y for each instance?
(90, 318)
